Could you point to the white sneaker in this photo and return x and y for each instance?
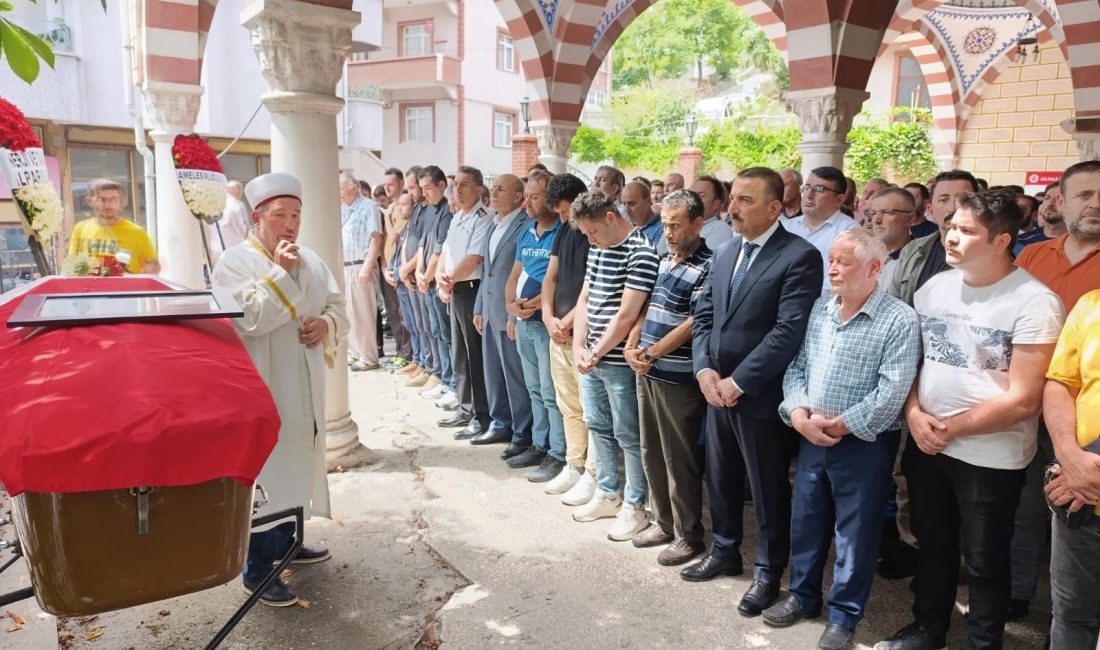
(435, 393)
(565, 479)
(599, 507)
(581, 492)
(630, 521)
(449, 400)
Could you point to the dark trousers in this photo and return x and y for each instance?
(393, 315)
(840, 490)
(265, 549)
(1075, 586)
(670, 416)
(469, 366)
(423, 331)
(508, 399)
(949, 497)
(738, 444)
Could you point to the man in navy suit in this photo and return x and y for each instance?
(748, 326)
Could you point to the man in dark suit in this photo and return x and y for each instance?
(748, 326)
(509, 401)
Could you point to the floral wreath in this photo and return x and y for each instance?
(201, 177)
(38, 202)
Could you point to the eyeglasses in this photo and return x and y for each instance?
(818, 189)
(887, 213)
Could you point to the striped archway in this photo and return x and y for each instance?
(943, 90)
(169, 38)
(1081, 22)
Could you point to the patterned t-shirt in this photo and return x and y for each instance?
(631, 264)
(968, 335)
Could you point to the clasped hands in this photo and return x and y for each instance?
(1076, 480)
(719, 392)
(312, 332)
(818, 429)
(930, 433)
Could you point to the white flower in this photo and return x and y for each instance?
(42, 208)
(205, 197)
(79, 264)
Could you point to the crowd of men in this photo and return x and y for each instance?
(907, 349)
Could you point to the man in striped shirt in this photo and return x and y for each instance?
(622, 268)
(659, 351)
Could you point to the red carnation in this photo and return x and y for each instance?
(192, 152)
(15, 131)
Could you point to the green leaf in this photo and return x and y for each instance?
(21, 56)
(6, 6)
(39, 45)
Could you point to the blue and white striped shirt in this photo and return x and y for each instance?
(862, 369)
(361, 220)
(678, 288)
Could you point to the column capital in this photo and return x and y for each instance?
(301, 46)
(554, 141)
(826, 114)
(279, 101)
(173, 108)
(1086, 133)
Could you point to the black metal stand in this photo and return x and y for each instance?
(39, 255)
(238, 616)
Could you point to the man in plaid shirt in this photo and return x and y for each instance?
(844, 393)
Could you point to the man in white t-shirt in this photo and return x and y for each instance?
(989, 330)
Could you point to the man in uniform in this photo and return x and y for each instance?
(294, 321)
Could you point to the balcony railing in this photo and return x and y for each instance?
(407, 72)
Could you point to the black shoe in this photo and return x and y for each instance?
(760, 596)
(835, 637)
(277, 594)
(512, 450)
(459, 419)
(912, 637)
(786, 613)
(472, 430)
(310, 555)
(491, 437)
(900, 563)
(1018, 608)
(531, 457)
(547, 470)
(710, 567)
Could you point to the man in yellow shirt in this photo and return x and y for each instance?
(108, 233)
(1071, 407)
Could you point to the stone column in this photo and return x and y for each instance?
(1086, 133)
(554, 140)
(825, 116)
(301, 48)
(525, 152)
(173, 109)
(688, 162)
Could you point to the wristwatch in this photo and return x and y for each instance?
(647, 357)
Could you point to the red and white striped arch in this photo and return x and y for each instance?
(943, 89)
(1081, 22)
(172, 39)
(834, 43)
(769, 15)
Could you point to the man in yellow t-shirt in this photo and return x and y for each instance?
(1071, 408)
(108, 233)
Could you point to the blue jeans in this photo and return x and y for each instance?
(405, 300)
(610, 394)
(441, 330)
(266, 548)
(548, 429)
(423, 332)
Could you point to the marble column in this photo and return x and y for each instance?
(554, 140)
(1086, 133)
(173, 109)
(825, 116)
(301, 48)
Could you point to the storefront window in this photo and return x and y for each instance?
(241, 167)
(16, 264)
(115, 163)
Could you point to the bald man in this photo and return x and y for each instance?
(509, 401)
(673, 182)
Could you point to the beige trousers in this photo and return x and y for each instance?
(362, 314)
(579, 450)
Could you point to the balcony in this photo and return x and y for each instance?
(408, 77)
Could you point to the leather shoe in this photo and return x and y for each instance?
(654, 535)
(680, 551)
(459, 419)
(512, 450)
(277, 594)
(472, 430)
(310, 555)
(491, 437)
(835, 637)
(786, 613)
(912, 637)
(760, 596)
(711, 567)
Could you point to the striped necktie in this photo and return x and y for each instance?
(747, 249)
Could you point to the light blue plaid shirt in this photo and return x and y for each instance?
(862, 369)
(360, 221)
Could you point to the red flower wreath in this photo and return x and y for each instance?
(16, 133)
(192, 152)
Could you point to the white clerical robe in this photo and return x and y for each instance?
(275, 306)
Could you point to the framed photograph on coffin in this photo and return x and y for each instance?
(78, 309)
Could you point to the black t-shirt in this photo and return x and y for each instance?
(415, 230)
(433, 218)
(923, 229)
(934, 264)
(571, 248)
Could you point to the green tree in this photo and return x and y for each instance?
(646, 129)
(898, 149)
(23, 48)
(676, 37)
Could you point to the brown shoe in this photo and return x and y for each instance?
(679, 552)
(654, 535)
(410, 369)
(418, 380)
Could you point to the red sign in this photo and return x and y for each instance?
(1042, 178)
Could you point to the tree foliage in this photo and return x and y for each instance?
(676, 37)
(647, 129)
(21, 47)
(898, 149)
